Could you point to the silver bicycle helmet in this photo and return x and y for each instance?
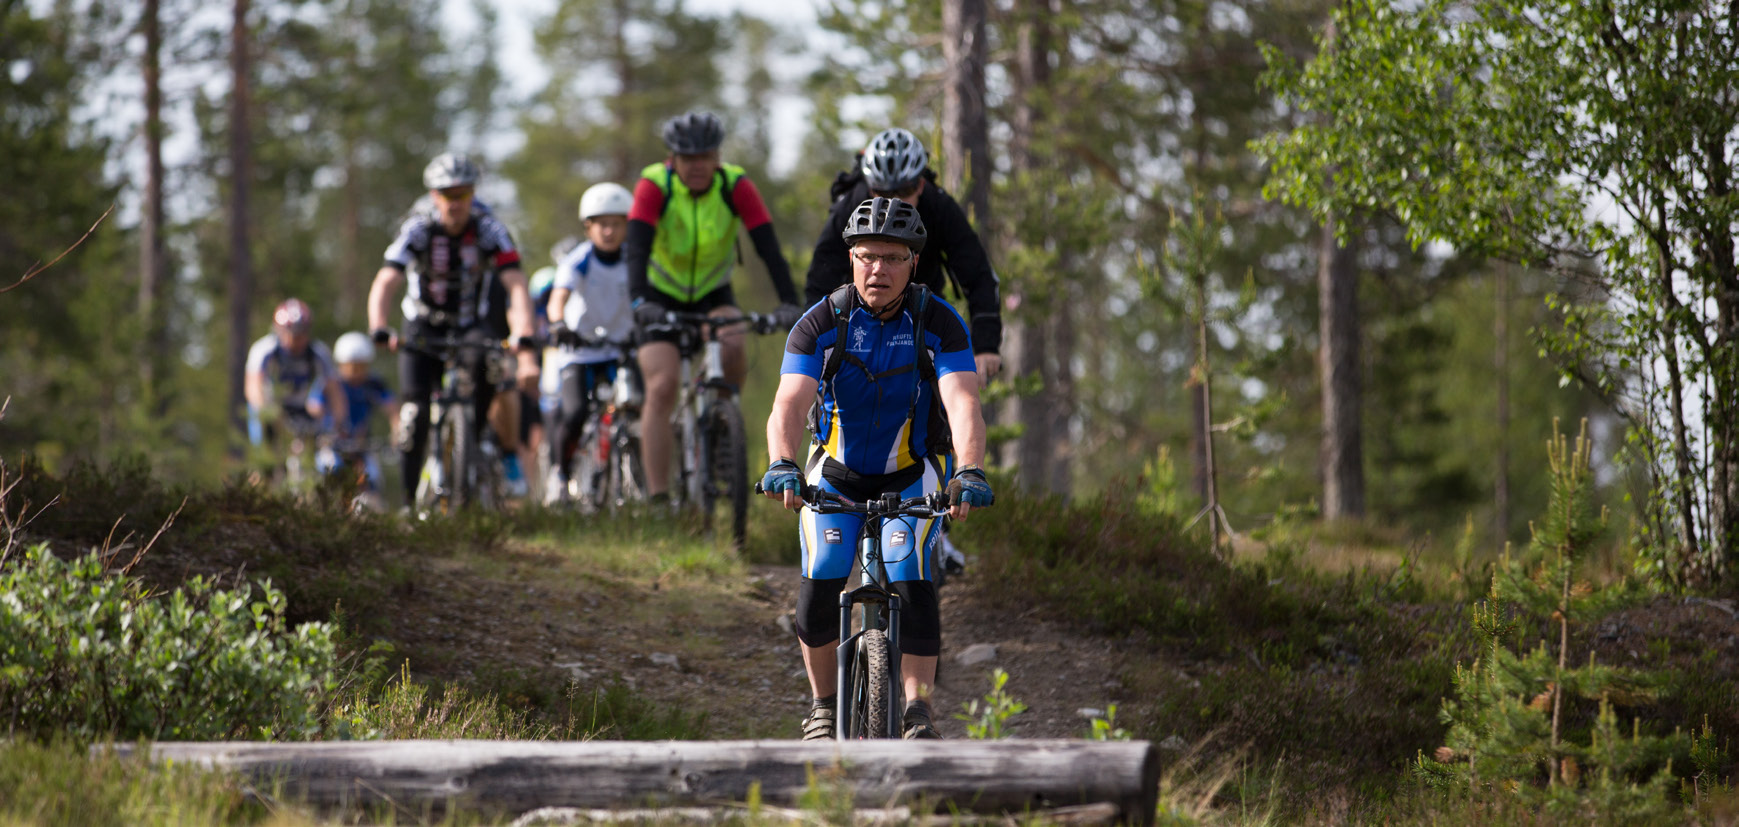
(451, 169)
(894, 160)
(887, 218)
(693, 133)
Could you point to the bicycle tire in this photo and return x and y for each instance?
(627, 474)
(461, 461)
(590, 470)
(728, 466)
(690, 487)
(871, 685)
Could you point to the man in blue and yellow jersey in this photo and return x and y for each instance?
(682, 243)
(889, 373)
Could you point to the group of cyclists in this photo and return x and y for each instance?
(888, 378)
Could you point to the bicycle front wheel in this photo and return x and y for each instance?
(627, 475)
(460, 443)
(871, 687)
(728, 467)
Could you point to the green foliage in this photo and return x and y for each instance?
(94, 655)
(1511, 714)
(1105, 728)
(407, 709)
(1159, 496)
(1509, 129)
(989, 717)
(64, 783)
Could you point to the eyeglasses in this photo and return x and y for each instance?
(901, 194)
(455, 193)
(872, 259)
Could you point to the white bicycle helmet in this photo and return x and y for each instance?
(451, 169)
(894, 160)
(605, 199)
(353, 347)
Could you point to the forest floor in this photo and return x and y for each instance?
(1305, 677)
(723, 646)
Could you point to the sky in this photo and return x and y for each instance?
(526, 74)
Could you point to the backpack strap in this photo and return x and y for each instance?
(842, 300)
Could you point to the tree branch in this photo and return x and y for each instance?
(37, 270)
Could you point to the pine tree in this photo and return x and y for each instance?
(1508, 720)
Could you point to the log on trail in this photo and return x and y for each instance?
(1006, 776)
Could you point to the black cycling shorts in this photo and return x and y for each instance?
(722, 297)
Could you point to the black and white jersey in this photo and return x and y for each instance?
(448, 273)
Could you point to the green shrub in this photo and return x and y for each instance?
(93, 655)
(989, 718)
(63, 783)
(1512, 721)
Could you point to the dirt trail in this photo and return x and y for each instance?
(720, 647)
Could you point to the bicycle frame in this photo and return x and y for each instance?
(875, 597)
(697, 392)
(458, 387)
(881, 606)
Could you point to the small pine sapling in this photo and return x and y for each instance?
(1508, 717)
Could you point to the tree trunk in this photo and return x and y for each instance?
(626, 143)
(1722, 406)
(965, 124)
(1028, 343)
(353, 283)
(1059, 394)
(1342, 460)
(241, 274)
(510, 777)
(1501, 367)
(154, 356)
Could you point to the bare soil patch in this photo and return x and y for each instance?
(722, 647)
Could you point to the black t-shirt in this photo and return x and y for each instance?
(953, 245)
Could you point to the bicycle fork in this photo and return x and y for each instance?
(878, 602)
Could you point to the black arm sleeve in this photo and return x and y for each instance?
(964, 256)
(830, 267)
(767, 247)
(638, 252)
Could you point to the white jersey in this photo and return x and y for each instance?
(290, 377)
(598, 304)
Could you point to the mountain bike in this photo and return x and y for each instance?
(463, 468)
(605, 459)
(707, 425)
(871, 693)
(626, 477)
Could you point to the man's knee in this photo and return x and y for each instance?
(920, 618)
(413, 426)
(504, 415)
(818, 611)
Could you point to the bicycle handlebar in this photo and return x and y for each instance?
(759, 322)
(438, 346)
(823, 501)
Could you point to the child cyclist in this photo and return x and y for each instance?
(589, 304)
(364, 393)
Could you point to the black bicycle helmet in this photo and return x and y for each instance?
(894, 160)
(693, 133)
(451, 169)
(888, 218)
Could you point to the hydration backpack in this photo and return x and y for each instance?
(843, 300)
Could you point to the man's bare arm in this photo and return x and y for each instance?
(785, 431)
(387, 282)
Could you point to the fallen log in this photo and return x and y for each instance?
(511, 777)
